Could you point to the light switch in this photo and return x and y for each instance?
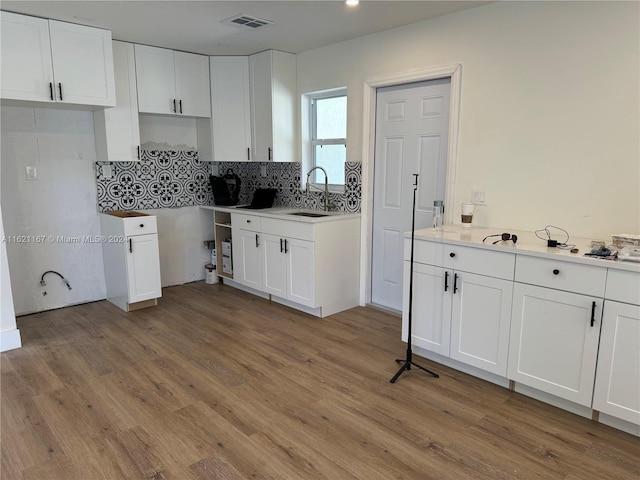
(478, 197)
(32, 173)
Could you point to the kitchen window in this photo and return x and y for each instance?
(326, 140)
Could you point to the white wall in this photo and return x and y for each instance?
(549, 123)
(9, 334)
(62, 202)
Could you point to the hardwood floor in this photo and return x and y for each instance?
(215, 383)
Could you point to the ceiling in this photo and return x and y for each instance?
(194, 26)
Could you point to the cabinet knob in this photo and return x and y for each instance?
(452, 254)
(142, 225)
(556, 271)
(248, 221)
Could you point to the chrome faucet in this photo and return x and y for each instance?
(326, 185)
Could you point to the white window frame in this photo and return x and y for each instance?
(309, 132)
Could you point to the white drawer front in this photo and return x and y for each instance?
(480, 261)
(139, 225)
(571, 277)
(252, 223)
(287, 228)
(623, 286)
(426, 252)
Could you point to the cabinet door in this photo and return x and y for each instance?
(27, 71)
(480, 321)
(155, 75)
(554, 342)
(231, 105)
(300, 271)
(82, 64)
(247, 258)
(617, 390)
(143, 268)
(117, 129)
(192, 84)
(261, 106)
(431, 312)
(275, 265)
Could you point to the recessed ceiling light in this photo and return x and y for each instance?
(352, 3)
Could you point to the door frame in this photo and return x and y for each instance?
(369, 105)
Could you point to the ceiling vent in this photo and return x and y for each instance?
(247, 21)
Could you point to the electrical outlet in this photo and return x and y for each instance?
(478, 197)
(32, 173)
(106, 171)
(263, 171)
(215, 170)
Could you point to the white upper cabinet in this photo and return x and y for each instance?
(172, 83)
(231, 109)
(117, 129)
(273, 106)
(56, 62)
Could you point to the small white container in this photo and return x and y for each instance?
(211, 276)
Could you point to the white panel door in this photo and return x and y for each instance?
(300, 271)
(143, 268)
(617, 390)
(554, 342)
(117, 129)
(412, 125)
(231, 105)
(431, 312)
(156, 80)
(82, 64)
(260, 66)
(480, 321)
(275, 265)
(192, 84)
(247, 258)
(27, 71)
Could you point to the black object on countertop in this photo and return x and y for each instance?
(262, 198)
(226, 189)
(408, 361)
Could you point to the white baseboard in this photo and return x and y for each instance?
(10, 340)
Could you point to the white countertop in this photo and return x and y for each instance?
(527, 244)
(281, 213)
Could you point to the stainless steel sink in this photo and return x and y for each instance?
(309, 214)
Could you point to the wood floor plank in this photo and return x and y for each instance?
(215, 383)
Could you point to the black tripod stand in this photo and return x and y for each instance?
(408, 362)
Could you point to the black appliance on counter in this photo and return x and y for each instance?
(226, 189)
(262, 198)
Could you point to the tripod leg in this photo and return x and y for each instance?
(405, 366)
(433, 374)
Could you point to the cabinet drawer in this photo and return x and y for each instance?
(480, 261)
(287, 228)
(252, 223)
(584, 279)
(623, 286)
(426, 252)
(139, 225)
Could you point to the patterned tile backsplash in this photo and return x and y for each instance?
(168, 179)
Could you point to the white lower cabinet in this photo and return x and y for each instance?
(289, 269)
(131, 259)
(143, 267)
(313, 266)
(617, 389)
(480, 321)
(459, 314)
(554, 341)
(247, 258)
(431, 309)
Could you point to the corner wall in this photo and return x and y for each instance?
(550, 123)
